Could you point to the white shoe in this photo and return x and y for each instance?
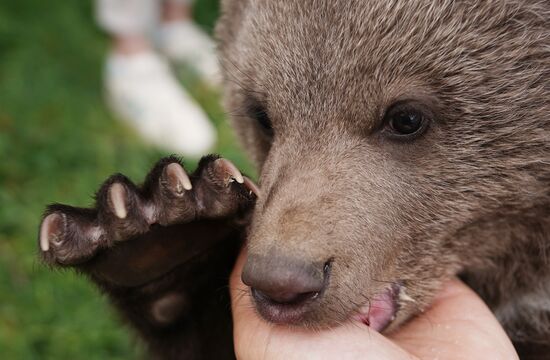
(142, 90)
(185, 42)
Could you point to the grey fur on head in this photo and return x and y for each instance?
(469, 196)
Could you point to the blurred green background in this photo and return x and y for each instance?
(57, 143)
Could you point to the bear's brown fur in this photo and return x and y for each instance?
(471, 195)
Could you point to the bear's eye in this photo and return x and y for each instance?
(258, 112)
(405, 121)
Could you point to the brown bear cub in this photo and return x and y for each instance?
(399, 143)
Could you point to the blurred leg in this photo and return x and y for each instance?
(183, 41)
(176, 10)
(132, 18)
(141, 88)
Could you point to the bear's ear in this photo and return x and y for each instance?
(231, 15)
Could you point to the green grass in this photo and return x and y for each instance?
(57, 143)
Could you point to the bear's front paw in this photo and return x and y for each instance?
(136, 233)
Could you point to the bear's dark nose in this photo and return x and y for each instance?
(280, 281)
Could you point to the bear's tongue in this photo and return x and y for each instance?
(380, 311)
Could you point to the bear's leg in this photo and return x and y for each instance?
(162, 251)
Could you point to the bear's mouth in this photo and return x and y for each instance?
(379, 312)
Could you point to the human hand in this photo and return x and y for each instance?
(458, 325)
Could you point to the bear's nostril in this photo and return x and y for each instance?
(284, 297)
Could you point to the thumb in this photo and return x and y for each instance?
(458, 325)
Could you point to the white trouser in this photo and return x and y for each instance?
(129, 17)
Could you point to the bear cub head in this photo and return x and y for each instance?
(399, 143)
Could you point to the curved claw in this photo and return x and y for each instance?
(230, 169)
(178, 180)
(117, 194)
(50, 229)
(251, 186)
